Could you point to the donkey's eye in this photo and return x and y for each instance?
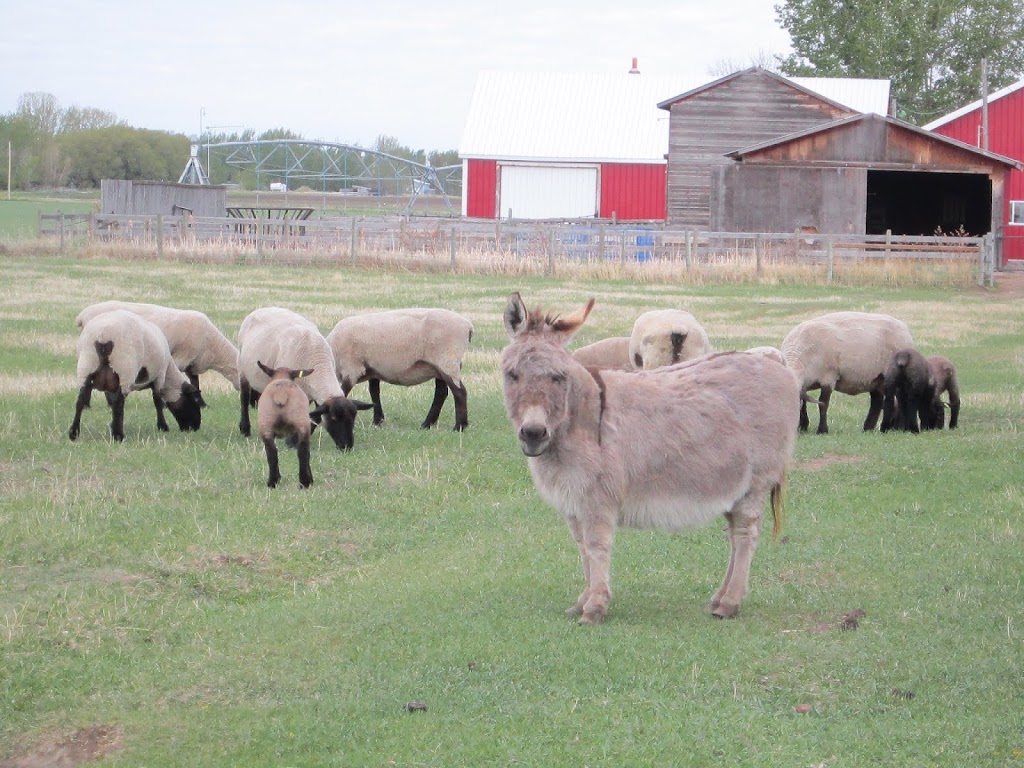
(558, 378)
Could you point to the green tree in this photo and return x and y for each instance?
(931, 50)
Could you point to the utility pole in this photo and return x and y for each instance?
(984, 104)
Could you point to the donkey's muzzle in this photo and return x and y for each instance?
(533, 439)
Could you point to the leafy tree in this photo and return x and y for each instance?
(42, 111)
(87, 118)
(763, 59)
(931, 50)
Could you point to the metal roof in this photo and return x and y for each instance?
(602, 117)
(995, 96)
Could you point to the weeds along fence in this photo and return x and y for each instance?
(650, 252)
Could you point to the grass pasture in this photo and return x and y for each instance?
(159, 606)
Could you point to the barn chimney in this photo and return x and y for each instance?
(634, 70)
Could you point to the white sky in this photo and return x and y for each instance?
(348, 71)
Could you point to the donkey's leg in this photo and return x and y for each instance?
(598, 536)
(744, 533)
(576, 529)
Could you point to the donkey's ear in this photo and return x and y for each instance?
(568, 325)
(515, 314)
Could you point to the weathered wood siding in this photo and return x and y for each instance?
(162, 198)
(739, 112)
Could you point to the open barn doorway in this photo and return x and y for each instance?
(919, 203)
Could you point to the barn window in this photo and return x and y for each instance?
(1017, 212)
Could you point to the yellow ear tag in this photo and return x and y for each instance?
(300, 374)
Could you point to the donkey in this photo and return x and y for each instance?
(666, 448)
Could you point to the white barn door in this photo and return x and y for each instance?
(548, 192)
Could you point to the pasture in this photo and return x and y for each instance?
(160, 606)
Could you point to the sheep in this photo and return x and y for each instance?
(665, 337)
(609, 354)
(405, 347)
(120, 352)
(845, 352)
(944, 373)
(284, 339)
(909, 392)
(196, 344)
(283, 411)
(772, 353)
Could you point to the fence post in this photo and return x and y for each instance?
(352, 242)
(601, 235)
(451, 248)
(829, 255)
(92, 224)
(982, 258)
(259, 239)
(551, 252)
(758, 246)
(159, 237)
(61, 225)
(689, 251)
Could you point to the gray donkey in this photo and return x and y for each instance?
(667, 448)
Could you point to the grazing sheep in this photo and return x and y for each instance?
(944, 373)
(196, 344)
(665, 337)
(281, 338)
(120, 352)
(844, 352)
(283, 411)
(909, 392)
(668, 448)
(405, 347)
(610, 353)
(772, 353)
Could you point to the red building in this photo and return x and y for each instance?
(1005, 137)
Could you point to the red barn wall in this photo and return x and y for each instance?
(1005, 137)
(481, 188)
(632, 192)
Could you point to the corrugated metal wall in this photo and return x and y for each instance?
(481, 188)
(632, 192)
(1005, 137)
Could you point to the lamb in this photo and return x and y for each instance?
(909, 392)
(283, 411)
(944, 373)
(405, 347)
(609, 354)
(281, 338)
(665, 337)
(120, 352)
(845, 352)
(196, 344)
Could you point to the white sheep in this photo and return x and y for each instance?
(283, 411)
(665, 337)
(281, 338)
(844, 352)
(196, 344)
(405, 347)
(772, 353)
(611, 353)
(120, 352)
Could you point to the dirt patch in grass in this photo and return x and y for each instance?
(827, 460)
(61, 751)
(1010, 285)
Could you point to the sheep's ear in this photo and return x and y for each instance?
(317, 414)
(515, 314)
(303, 372)
(361, 406)
(265, 369)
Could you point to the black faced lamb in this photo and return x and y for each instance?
(666, 337)
(405, 347)
(196, 344)
(283, 411)
(909, 392)
(120, 352)
(944, 373)
(281, 338)
(606, 354)
(844, 352)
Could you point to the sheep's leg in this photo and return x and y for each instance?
(84, 397)
(305, 472)
(954, 406)
(744, 534)
(889, 412)
(158, 403)
(805, 422)
(908, 410)
(116, 401)
(874, 410)
(378, 410)
(245, 395)
(823, 398)
(440, 395)
(274, 470)
(461, 407)
(598, 533)
(194, 378)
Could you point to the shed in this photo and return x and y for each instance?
(161, 198)
(1005, 108)
(862, 174)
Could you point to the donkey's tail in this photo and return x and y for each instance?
(777, 509)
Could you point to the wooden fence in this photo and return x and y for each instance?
(447, 239)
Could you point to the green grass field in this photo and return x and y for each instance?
(159, 606)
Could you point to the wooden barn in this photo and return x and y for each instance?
(1005, 110)
(161, 198)
(547, 145)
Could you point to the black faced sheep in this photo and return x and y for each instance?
(845, 352)
(405, 347)
(944, 373)
(665, 337)
(909, 392)
(120, 352)
(196, 344)
(281, 338)
(606, 354)
(283, 411)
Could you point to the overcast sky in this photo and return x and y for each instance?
(348, 71)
